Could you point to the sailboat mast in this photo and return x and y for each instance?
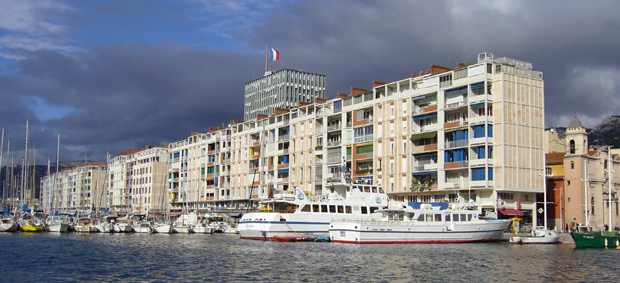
(587, 209)
(34, 170)
(24, 166)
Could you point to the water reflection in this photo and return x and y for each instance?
(141, 257)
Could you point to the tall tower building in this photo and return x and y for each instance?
(281, 89)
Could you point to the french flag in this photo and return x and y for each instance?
(274, 55)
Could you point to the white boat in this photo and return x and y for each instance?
(402, 224)
(8, 224)
(163, 228)
(106, 225)
(296, 213)
(540, 235)
(123, 225)
(86, 225)
(202, 226)
(183, 224)
(143, 227)
(57, 224)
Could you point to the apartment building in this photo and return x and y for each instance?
(78, 188)
(447, 135)
(194, 169)
(137, 180)
(282, 89)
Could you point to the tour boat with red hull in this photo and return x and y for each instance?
(297, 213)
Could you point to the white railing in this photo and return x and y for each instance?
(333, 143)
(363, 138)
(333, 127)
(453, 144)
(456, 104)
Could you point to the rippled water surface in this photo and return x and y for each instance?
(137, 257)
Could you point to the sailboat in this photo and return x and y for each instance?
(56, 223)
(7, 224)
(540, 234)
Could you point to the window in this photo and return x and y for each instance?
(572, 147)
(505, 196)
(478, 174)
(572, 164)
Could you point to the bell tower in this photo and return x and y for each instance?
(576, 139)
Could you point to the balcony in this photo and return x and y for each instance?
(333, 159)
(456, 104)
(455, 124)
(283, 138)
(333, 143)
(480, 98)
(333, 127)
(364, 156)
(454, 144)
(363, 138)
(456, 165)
(423, 148)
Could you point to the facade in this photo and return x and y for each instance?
(584, 197)
(78, 188)
(474, 133)
(137, 180)
(282, 89)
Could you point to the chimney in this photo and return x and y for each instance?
(357, 90)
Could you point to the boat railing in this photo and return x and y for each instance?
(392, 221)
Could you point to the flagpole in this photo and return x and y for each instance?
(266, 56)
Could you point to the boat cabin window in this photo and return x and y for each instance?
(429, 217)
(438, 217)
(373, 209)
(364, 210)
(315, 208)
(447, 217)
(366, 189)
(381, 190)
(332, 208)
(463, 217)
(374, 189)
(347, 209)
(410, 215)
(421, 217)
(306, 208)
(340, 209)
(469, 217)
(324, 208)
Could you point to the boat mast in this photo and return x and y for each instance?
(587, 208)
(23, 179)
(34, 170)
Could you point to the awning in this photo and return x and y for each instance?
(456, 89)
(511, 212)
(423, 173)
(428, 135)
(425, 154)
(282, 171)
(478, 85)
(418, 97)
(477, 104)
(365, 178)
(425, 116)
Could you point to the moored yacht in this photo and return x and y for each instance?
(297, 213)
(401, 224)
(58, 224)
(8, 224)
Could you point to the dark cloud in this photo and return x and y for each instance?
(127, 96)
(130, 95)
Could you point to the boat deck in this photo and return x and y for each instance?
(565, 237)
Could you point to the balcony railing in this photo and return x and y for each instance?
(456, 104)
(333, 127)
(363, 138)
(284, 138)
(333, 143)
(453, 144)
(333, 159)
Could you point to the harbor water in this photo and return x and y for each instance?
(70, 257)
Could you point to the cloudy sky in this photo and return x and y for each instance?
(116, 75)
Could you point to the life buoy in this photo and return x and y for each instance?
(95, 222)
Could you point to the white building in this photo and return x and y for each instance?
(78, 188)
(137, 181)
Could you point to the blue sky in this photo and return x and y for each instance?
(117, 75)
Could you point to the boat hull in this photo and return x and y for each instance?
(596, 240)
(163, 229)
(394, 232)
(265, 226)
(8, 227)
(33, 228)
(58, 227)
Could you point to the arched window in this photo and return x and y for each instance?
(572, 146)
